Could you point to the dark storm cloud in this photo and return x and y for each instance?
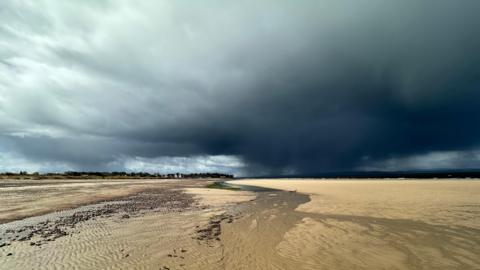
(286, 87)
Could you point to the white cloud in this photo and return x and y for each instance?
(84, 82)
(195, 164)
(10, 162)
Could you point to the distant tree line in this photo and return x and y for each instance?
(89, 175)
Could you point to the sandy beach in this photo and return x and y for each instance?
(114, 224)
(239, 135)
(382, 224)
(269, 224)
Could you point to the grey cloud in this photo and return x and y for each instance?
(287, 87)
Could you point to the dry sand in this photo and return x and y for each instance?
(179, 224)
(25, 198)
(172, 224)
(381, 224)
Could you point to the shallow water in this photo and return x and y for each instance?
(377, 225)
(331, 225)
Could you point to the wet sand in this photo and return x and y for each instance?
(157, 224)
(179, 224)
(25, 198)
(378, 224)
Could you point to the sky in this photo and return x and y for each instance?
(249, 87)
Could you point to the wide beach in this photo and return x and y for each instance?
(269, 224)
(113, 224)
(382, 224)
